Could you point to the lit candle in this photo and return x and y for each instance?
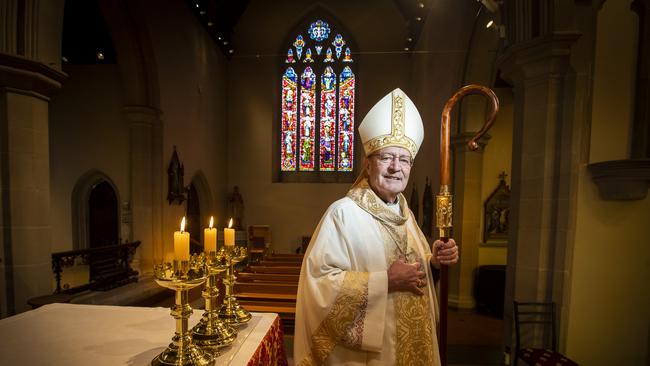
(229, 235)
(182, 243)
(210, 238)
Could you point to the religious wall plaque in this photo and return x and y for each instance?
(496, 211)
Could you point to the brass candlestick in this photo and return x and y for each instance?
(181, 277)
(211, 331)
(231, 312)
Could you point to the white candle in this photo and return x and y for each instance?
(182, 243)
(229, 235)
(210, 238)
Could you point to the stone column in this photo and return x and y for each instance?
(641, 123)
(468, 172)
(544, 164)
(25, 243)
(146, 194)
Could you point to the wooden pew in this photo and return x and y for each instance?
(274, 269)
(286, 311)
(271, 285)
(277, 263)
(267, 277)
(282, 257)
(266, 290)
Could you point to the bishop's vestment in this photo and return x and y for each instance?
(345, 314)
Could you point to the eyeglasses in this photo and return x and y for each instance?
(404, 161)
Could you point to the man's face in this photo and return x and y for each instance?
(388, 171)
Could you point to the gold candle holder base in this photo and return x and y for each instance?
(231, 312)
(181, 277)
(211, 331)
(192, 355)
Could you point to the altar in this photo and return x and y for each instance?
(71, 334)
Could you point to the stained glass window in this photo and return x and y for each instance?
(289, 107)
(327, 119)
(318, 102)
(307, 118)
(346, 116)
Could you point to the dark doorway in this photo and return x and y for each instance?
(194, 224)
(102, 216)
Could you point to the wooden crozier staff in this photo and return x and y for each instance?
(444, 199)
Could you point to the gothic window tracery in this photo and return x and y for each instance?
(318, 102)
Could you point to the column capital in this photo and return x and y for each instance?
(546, 56)
(30, 76)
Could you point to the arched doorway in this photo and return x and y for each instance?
(95, 211)
(103, 227)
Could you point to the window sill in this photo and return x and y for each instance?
(317, 177)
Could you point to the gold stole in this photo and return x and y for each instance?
(414, 342)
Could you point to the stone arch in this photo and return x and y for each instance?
(80, 209)
(308, 15)
(480, 67)
(301, 22)
(134, 50)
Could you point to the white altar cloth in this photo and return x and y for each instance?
(70, 334)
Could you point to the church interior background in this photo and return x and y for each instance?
(96, 97)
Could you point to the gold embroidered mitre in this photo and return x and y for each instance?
(393, 121)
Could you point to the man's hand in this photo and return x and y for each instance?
(444, 253)
(404, 276)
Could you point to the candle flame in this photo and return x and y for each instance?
(230, 223)
(211, 221)
(183, 224)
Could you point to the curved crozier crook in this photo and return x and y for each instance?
(445, 124)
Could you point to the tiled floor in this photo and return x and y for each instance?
(474, 339)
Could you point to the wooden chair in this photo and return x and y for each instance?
(259, 240)
(538, 316)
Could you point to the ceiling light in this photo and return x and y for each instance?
(197, 5)
(219, 38)
(489, 24)
(100, 56)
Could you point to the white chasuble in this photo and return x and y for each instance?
(344, 313)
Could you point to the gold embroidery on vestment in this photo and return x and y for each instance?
(344, 323)
(414, 337)
(414, 344)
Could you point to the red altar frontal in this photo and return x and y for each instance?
(68, 334)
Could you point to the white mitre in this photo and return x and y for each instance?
(393, 121)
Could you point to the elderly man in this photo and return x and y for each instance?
(366, 294)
